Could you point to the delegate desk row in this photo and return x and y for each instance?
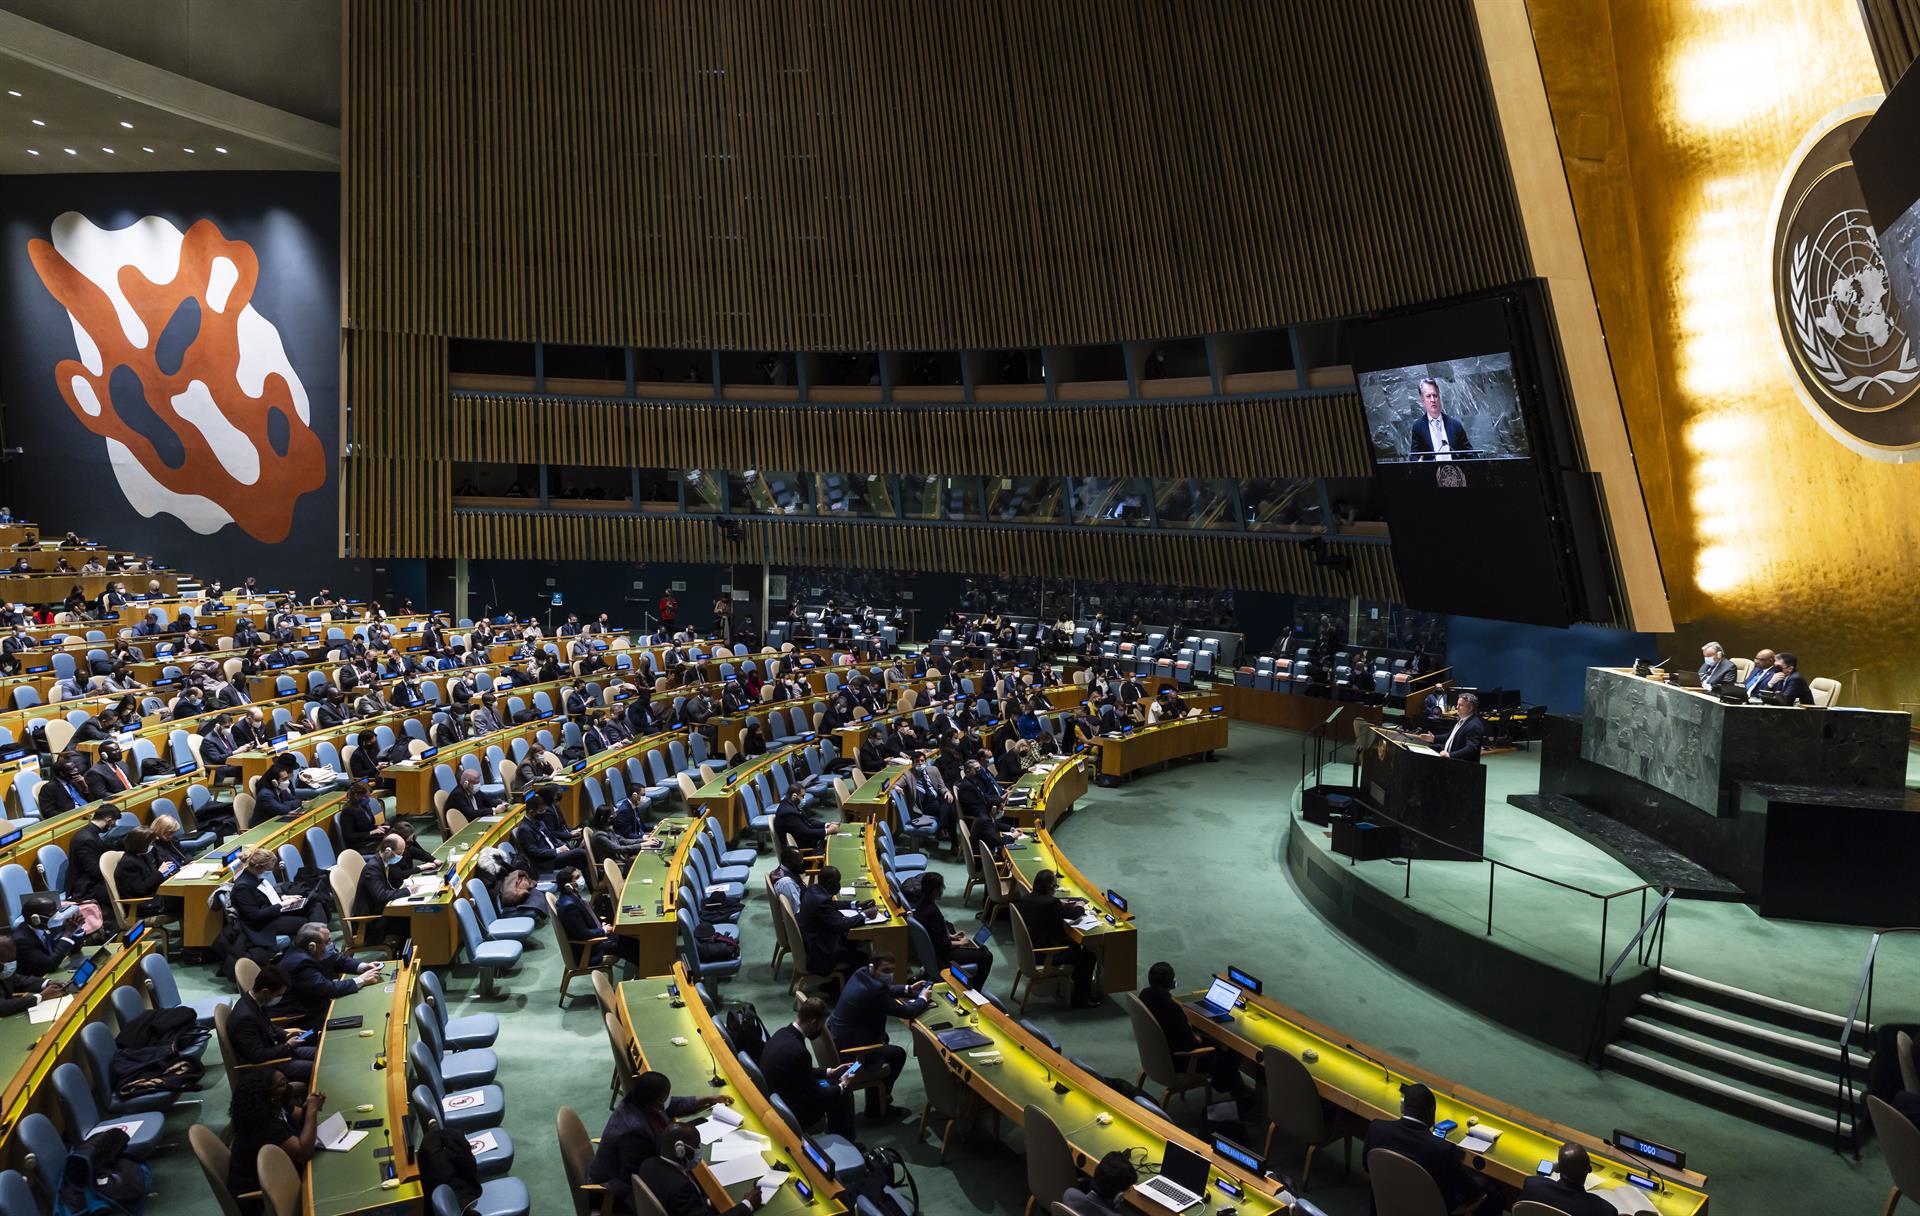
(1497, 1139)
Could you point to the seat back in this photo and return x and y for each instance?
(320, 848)
(1050, 1168)
(46, 1152)
(625, 1064)
(645, 1202)
(279, 1181)
(1401, 1187)
(15, 885)
(1156, 1057)
(471, 934)
(1826, 691)
(1293, 1104)
(936, 1076)
(16, 1194)
(576, 1155)
(1899, 1142)
(76, 1098)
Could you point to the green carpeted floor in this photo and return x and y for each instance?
(1197, 850)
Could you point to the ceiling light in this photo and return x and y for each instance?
(107, 150)
(33, 151)
(188, 151)
(13, 92)
(38, 123)
(221, 151)
(126, 124)
(70, 152)
(145, 149)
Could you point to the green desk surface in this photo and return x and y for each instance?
(345, 1071)
(20, 1036)
(878, 785)
(847, 852)
(728, 781)
(1041, 852)
(1028, 1073)
(649, 878)
(40, 832)
(462, 851)
(655, 1023)
(1373, 1089)
(273, 833)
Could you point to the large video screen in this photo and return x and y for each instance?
(1450, 409)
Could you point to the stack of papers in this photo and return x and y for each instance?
(422, 885)
(47, 1011)
(197, 870)
(736, 1155)
(1624, 1198)
(1480, 1138)
(1087, 922)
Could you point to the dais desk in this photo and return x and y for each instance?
(365, 1066)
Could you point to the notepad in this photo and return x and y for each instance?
(335, 1136)
(196, 870)
(1628, 1199)
(47, 1011)
(738, 1169)
(1480, 1138)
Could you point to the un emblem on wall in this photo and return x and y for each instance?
(1851, 351)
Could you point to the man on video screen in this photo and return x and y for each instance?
(1436, 434)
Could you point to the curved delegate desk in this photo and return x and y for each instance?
(856, 854)
(431, 922)
(1162, 743)
(1369, 1086)
(650, 897)
(1047, 791)
(1112, 936)
(193, 884)
(1016, 1070)
(674, 1034)
(36, 1048)
(362, 1070)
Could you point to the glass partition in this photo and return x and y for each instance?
(1281, 504)
(1033, 500)
(855, 495)
(954, 498)
(771, 492)
(1197, 503)
(1111, 502)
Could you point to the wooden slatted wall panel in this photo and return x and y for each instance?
(881, 174)
(1254, 437)
(1186, 561)
(395, 474)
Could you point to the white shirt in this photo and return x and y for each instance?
(1450, 734)
(1437, 428)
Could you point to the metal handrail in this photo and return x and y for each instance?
(1648, 922)
(1844, 1105)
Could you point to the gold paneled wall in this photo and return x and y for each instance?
(802, 175)
(1677, 120)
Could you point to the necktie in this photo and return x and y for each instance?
(121, 775)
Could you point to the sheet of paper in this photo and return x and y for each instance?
(729, 1148)
(332, 1128)
(1629, 1199)
(739, 1169)
(455, 1102)
(345, 1143)
(726, 1115)
(47, 1011)
(196, 870)
(485, 1142)
(128, 1126)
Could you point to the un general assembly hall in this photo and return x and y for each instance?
(911, 608)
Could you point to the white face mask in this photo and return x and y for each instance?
(7, 969)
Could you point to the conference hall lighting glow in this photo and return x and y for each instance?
(1719, 83)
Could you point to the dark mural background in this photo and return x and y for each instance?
(273, 235)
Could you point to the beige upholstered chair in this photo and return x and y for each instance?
(576, 1157)
(1900, 1144)
(1036, 965)
(1294, 1110)
(214, 1157)
(1156, 1054)
(1826, 691)
(280, 1181)
(1050, 1168)
(1401, 1187)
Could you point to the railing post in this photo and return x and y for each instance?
(1645, 943)
(1491, 871)
(1407, 893)
(1606, 906)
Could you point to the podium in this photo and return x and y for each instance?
(1443, 802)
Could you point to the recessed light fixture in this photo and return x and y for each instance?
(145, 149)
(188, 151)
(13, 92)
(221, 151)
(38, 123)
(107, 150)
(126, 124)
(33, 151)
(70, 152)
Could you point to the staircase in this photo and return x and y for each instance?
(1768, 1060)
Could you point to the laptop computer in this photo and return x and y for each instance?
(1684, 679)
(983, 935)
(1181, 1182)
(1219, 1001)
(962, 1038)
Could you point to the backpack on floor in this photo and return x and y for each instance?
(886, 1183)
(746, 1031)
(99, 1179)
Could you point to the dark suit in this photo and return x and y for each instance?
(1441, 1160)
(1720, 671)
(1573, 1200)
(257, 1040)
(473, 804)
(1181, 1038)
(318, 981)
(262, 918)
(84, 880)
(41, 951)
(677, 1192)
(860, 1018)
(823, 929)
(1046, 918)
(578, 922)
(358, 831)
(56, 797)
(976, 959)
(105, 780)
(1420, 437)
(1790, 689)
(1463, 740)
(807, 832)
(791, 1073)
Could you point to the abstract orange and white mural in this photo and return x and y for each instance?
(243, 448)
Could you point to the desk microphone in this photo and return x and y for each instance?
(714, 1078)
(1386, 1074)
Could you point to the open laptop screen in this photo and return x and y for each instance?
(1222, 995)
